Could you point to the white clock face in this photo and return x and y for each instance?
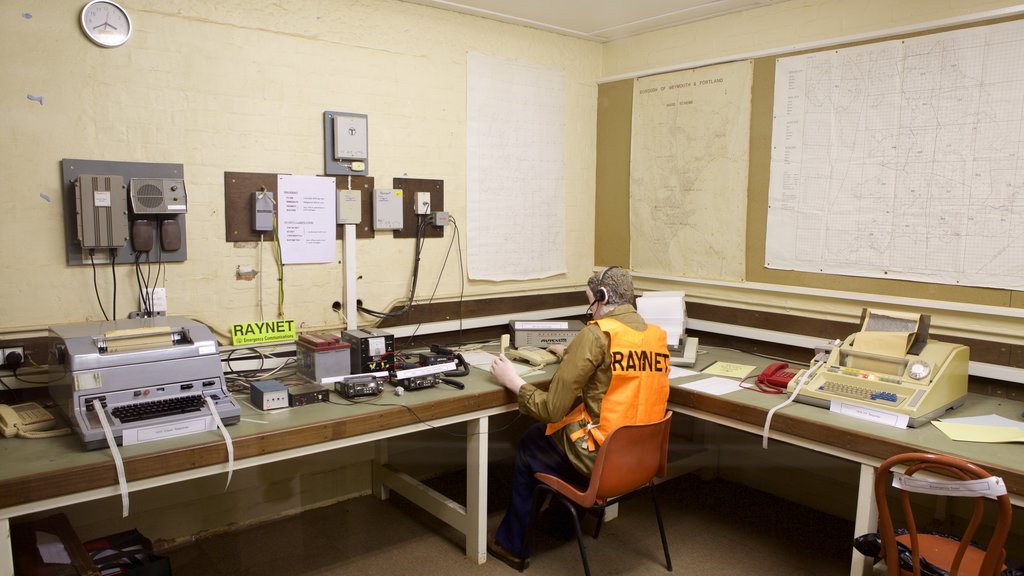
(106, 23)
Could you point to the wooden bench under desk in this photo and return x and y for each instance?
(865, 443)
(44, 474)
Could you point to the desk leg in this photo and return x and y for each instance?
(380, 459)
(476, 489)
(6, 552)
(866, 519)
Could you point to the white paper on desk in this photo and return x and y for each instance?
(870, 414)
(715, 385)
(51, 549)
(678, 372)
(483, 360)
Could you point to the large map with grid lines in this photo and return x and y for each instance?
(902, 159)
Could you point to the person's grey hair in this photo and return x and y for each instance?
(617, 283)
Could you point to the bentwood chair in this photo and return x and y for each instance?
(957, 554)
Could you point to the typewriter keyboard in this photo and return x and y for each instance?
(158, 408)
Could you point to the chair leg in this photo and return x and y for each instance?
(579, 532)
(600, 522)
(661, 528)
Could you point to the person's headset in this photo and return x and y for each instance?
(601, 295)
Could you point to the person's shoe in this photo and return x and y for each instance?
(495, 549)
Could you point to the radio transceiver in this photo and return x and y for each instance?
(543, 333)
(356, 385)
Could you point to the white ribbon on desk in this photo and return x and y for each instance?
(118, 463)
(227, 440)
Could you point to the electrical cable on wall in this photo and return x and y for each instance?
(113, 275)
(95, 285)
(420, 227)
(444, 264)
(280, 271)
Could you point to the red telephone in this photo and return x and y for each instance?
(776, 376)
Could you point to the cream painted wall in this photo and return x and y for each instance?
(241, 86)
(778, 26)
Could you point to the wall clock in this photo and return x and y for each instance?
(106, 23)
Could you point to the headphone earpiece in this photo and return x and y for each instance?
(601, 295)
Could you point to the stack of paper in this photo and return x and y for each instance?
(666, 310)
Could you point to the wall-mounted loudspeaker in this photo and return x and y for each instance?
(158, 196)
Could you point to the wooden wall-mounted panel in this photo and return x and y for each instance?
(238, 203)
(365, 186)
(239, 192)
(409, 188)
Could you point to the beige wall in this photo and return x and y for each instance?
(777, 29)
(242, 86)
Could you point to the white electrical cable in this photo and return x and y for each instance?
(118, 463)
(803, 379)
(227, 440)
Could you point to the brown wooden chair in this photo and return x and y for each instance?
(958, 478)
(628, 462)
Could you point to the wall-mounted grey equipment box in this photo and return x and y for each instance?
(120, 210)
(346, 144)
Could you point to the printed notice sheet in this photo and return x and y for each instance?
(306, 219)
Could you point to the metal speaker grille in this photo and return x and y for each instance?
(150, 196)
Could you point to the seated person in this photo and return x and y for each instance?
(598, 386)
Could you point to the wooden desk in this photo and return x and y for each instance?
(56, 472)
(44, 474)
(865, 443)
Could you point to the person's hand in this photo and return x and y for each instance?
(557, 350)
(505, 373)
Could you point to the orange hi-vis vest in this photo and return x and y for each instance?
(638, 392)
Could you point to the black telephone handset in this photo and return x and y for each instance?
(775, 378)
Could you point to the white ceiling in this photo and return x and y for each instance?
(598, 20)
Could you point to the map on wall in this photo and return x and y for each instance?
(902, 159)
(688, 172)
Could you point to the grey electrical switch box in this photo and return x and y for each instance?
(101, 206)
(263, 213)
(350, 207)
(387, 209)
(349, 136)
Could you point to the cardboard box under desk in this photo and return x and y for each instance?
(52, 533)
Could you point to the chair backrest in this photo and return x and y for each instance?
(963, 480)
(631, 457)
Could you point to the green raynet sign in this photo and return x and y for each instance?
(262, 332)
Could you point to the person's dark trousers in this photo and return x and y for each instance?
(537, 453)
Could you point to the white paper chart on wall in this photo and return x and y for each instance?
(901, 159)
(690, 150)
(515, 198)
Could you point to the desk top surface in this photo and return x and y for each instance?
(53, 467)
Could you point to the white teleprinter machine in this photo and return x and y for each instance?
(152, 377)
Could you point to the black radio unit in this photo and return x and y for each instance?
(358, 385)
(373, 350)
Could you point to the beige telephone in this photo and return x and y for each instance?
(28, 420)
(532, 354)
